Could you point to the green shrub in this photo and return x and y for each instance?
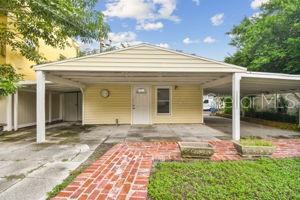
(273, 116)
(228, 105)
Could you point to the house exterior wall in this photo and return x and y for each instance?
(23, 65)
(27, 108)
(99, 110)
(27, 100)
(186, 105)
(55, 106)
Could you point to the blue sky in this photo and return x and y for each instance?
(189, 25)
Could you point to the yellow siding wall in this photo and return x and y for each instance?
(26, 108)
(186, 105)
(55, 106)
(99, 110)
(2, 48)
(23, 65)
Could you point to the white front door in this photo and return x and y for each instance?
(141, 105)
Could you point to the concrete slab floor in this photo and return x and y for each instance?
(247, 129)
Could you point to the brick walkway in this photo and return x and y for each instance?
(123, 171)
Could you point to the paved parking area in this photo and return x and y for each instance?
(28, 170)
(247, 129)
(24, 164)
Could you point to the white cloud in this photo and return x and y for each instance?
(209, 40)
(189, 41)
(217, 19)
(231, 36)
(143, 11)
(122, 37)
(164, 45)
(150, 26)
(255, 4)
(255, 15)
(197, 2)
(136, 9)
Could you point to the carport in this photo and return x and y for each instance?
(252, 83)
(154, 66)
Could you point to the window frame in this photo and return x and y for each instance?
(170, 101)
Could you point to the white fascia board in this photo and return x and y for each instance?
(137, 69)
(30, 82)
(266, 75)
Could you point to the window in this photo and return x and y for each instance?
(163, 100)
(141, 91)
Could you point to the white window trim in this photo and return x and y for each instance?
(170, 100)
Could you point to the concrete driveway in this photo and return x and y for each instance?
(224, 125)
(29, 171)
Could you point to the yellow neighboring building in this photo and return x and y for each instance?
(23, 114)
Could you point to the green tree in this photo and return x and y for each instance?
(270, 41)
(8, 80)
(53, 21)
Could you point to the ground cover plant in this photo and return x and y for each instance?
(260, 179)
(252, 141)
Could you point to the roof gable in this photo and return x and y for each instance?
(142, 57)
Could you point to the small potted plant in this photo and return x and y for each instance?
(252, 147)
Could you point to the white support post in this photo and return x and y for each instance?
(16, 98)
(50, 108)
(61, 103)
(8, 126)
(40, 107)
(236, 80)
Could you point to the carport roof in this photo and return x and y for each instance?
(150, 64)
(141, 58)
(258, 83)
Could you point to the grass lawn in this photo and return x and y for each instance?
(260, 179)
